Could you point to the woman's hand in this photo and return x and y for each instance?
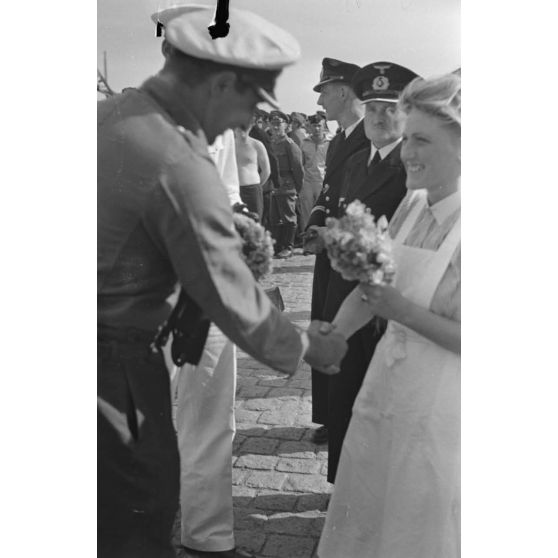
(389, 303)
(385, 301)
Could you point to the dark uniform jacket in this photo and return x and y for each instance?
(327, 205)
(289, 164)
(381, 188)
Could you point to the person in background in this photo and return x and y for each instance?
(253, 169)
(164, 217)
(205, 426)
(283, 198)
(298, 131)
(397, 491)
(341, 104)
(222, 151)
(262, 121)
(376, 176)
(314, 151)
(257, 132)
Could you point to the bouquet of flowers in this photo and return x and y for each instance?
(257, 245)
(359, 248)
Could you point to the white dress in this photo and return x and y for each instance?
(397, 488)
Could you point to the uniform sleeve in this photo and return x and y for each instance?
(297, 169)
(318, 214)
(190, 216)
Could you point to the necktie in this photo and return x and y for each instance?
(375, 160)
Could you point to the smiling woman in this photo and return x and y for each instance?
(431, 149)
(397, 487)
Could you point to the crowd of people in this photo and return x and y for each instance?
(175, 155)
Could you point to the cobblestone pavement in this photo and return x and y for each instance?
(279, 486)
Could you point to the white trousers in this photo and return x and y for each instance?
(205, 429)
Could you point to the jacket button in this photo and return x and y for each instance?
(327, 211)
(327, 198)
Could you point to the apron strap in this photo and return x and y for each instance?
(411, 218)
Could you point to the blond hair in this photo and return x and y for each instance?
(439, 97)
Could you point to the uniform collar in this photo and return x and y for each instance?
(384, 151)
(173, 104)
(349, 129)
(445, 208)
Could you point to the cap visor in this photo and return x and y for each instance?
(382, 99)
(318, 86)
(267, 97)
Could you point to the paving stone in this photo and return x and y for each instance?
(274, 500)
(251, 391)
(321, 453)
(243, 496)
(291, 523)
(257, 461)
(277, 416)
(273, 382)
(285, 392)
(250, 417)
(302, 449)
(308, 502)
(292, 465)
(306, 483)
(249, 540)
(303, 383)
(265, 446)
(238, 440)
(286, 433)
(261, 404)
(265, 479)
(249, 518)
(289, 546)
(247, 381)
(238, 476)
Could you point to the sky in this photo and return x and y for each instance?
(423, 35)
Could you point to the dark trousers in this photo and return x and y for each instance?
(252, 196)
(266, 190)
(343, 389)
(283, 218)
(320, 382)
(137, 453)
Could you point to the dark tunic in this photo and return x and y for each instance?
(327, 205)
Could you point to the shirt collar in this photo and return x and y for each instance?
(445, 208)
(384, 151)
(350, 129)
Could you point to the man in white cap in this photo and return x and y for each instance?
(163, 217)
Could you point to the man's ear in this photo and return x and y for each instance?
(166, 48)
(222, 83)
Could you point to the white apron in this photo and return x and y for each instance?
(397, 489)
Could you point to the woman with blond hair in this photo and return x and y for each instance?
(397, 489)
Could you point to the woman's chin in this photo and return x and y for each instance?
(414, 184)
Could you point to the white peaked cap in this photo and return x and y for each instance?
(252, 41)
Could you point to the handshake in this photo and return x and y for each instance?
(327, 347)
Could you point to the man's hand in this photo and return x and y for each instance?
(326, 349)
(312, 239)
